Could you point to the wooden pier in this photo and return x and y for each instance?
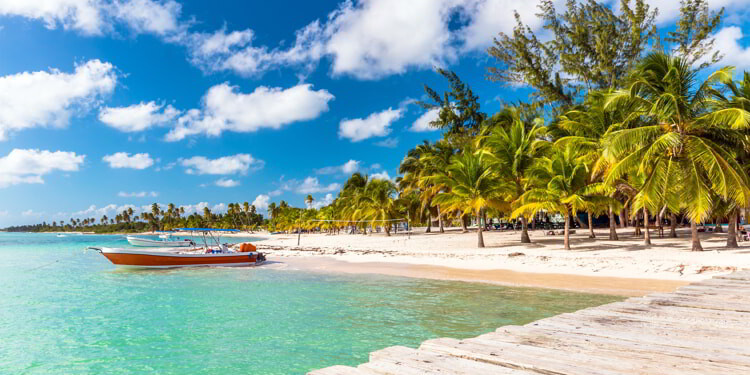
(702, 328)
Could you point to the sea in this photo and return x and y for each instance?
(66, 310)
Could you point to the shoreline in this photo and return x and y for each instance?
(618, 286)
(623, 267)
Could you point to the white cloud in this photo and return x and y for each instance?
(34, 99)
(728, 43)
(137, 194)
(96, 17)
(98, 212)
(375, 166)
(422, 124)
(125, 160)
(261, 202)
(311, 185)
(349, 167)
(380, 176)
(147, 16)
(226, 109)
(137, 117)
(4, 212)
(227, 182)
(375, 125)
(83, 15)
(240, 163)
(28, 166)
(388, 143)
(275, 193)
(318, 204)
(373, 39)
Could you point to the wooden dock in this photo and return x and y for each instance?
(702, 328)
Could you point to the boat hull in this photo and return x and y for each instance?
(145, 242)
(165, 259)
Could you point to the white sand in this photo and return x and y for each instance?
(666, 259)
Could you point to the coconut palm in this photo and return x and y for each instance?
(376, 204)
(510, 147)
(472, 186)
(560, 184)
(680, 143)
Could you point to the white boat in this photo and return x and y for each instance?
(163, 242)
(217, 254)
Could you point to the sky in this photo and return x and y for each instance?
(106, 105)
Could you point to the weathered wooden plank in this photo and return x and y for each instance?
(432, 363)
(619, 354)
(622, 345)
(340, 370)
(652, 335)
(679, 315)
(540, 360)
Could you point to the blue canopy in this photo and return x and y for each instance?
(207, 230)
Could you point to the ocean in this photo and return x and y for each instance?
(67, 311)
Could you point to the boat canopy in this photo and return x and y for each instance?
(206, 230)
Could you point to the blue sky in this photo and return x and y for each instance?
(106, 104)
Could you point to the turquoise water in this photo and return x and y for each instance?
(76, 314)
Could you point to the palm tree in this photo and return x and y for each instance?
(681, 142)
(376, 204)
(472, 186)
(560, 185)
(309, 200)
(510, 147)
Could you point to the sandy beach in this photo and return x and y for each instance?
(622, 267)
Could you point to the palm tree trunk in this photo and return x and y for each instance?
(440, 220)
(646, 233)
(672, 225)
(524, 230)
(694, 237)
(623, 218)
(429, 221)
(566, 239)
(591, 225)
(612, 229)
(387, 230)
(464, 228)
(732, 231)
(717, 227)
(480, 237)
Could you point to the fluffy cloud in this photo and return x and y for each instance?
(349, 167)
(240, 163)
(422, 124)
(311, 185)
(727, 41)
(226, 109)
(261, 202)
(375, 125)
(33, 99)
(147, 16)
(125, 160)
(227, 182)
(380, 176)
(328, 199)
(137, 117)
(83, 15)
(137, 194)
(22, 166)
(95, 17)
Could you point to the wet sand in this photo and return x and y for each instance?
(588, 284)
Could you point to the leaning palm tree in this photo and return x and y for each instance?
(377, 204)
(679, 141)
(511, 147)
(560, 185)
(472, 186)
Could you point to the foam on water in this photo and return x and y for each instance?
(77, 314)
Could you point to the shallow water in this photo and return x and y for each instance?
(64, 311)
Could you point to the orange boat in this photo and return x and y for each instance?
(198, 256)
